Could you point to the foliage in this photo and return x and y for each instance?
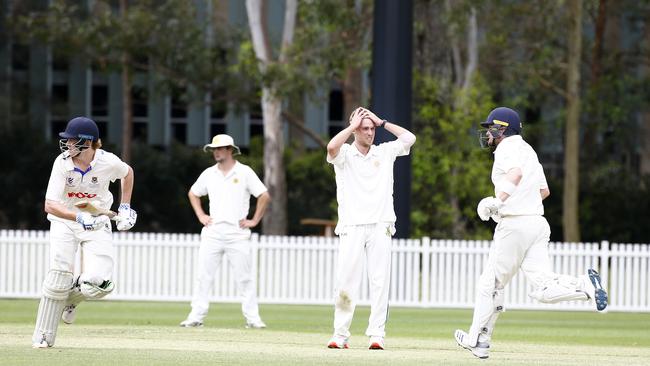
(26, 166)
(311, 189)
(450, 172)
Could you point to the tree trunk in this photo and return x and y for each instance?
(275, 220)
(570, 206)
(352, 90)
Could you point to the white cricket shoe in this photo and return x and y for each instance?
(69, 314)
(338, 342)
(42, 344)
(376, 343)
(481, 350)
(258, 324)
(188, 323)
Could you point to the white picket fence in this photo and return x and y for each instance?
(300, 270)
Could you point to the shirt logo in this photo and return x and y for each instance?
(376, 163)
(94, 180)
(72, 181)
(235, 180)
(81, 195)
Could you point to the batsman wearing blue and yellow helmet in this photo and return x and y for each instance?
(521, 237)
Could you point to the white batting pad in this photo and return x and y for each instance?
(56, 286)
(561, 288)
(91, 291)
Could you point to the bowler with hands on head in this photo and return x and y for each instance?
(226, 230)
(366, 220)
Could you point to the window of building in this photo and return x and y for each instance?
(179, 106)
(336, 105)
(217, 128)
(56, 126)
(179, 132)
(19, 56)
(140, 131)
(59, 61)
(59, 101)
(257, 129)
(103, 128)
(334, 129)
(100, 100)
(219, 107)
(139, 97)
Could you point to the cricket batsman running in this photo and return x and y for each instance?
(521, 237)
(82, 172)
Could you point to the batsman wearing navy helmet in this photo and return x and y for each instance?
(80, 174)
(521, 236)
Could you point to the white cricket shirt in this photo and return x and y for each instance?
(514, 152)
(229, 194)
(69, 184)
(364, 184)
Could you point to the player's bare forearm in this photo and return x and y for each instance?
(127, 187)
(544, 192)
(262, 202)
(195, 201)
(59, 210)
(334, 146)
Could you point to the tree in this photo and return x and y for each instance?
(450, 171)
(275, 221)
(572, 142)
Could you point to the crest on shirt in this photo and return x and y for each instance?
(376, 163)
(235, 180)
(72, 181)
(94, 180)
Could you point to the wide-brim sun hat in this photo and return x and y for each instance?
(222, 140)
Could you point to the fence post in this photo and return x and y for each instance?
(425, 250)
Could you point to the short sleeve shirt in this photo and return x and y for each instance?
(69, 184)
(229, 194)
(514, 152)
(364, 183)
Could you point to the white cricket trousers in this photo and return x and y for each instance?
(97, 245)
(358, 242)
(217, 242)
(520, 242)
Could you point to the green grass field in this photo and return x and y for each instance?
(147, 333)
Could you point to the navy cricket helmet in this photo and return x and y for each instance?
(82, 128)
(503, 116)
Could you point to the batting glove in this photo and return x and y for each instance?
(126, 217)
(488, 206)
(90, 222)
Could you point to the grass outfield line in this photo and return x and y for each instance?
(147, 333)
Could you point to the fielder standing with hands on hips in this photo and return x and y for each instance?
(521, 236)
(82, 172)
(366, 220)
(229, 185)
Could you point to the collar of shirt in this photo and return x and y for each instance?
(232, 170)
(371, 152)
(69, 164)
(506, 141)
